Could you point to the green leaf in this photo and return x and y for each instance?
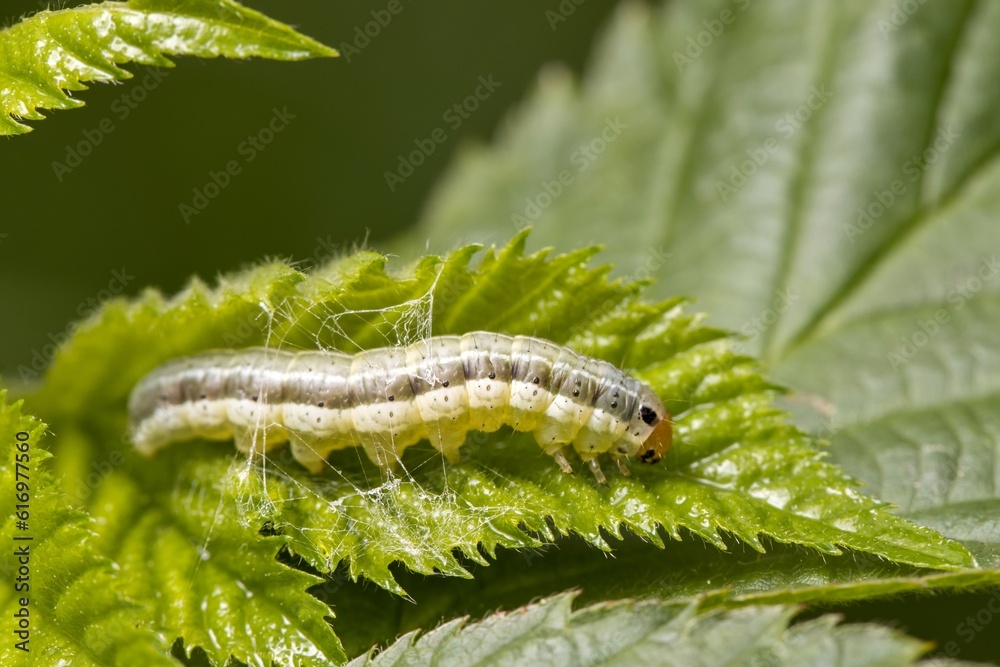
(59, 589)
(648, 633)
(855, 250)
(207, 576)
(738, 468)
(118, 587)
(52, 52)
(739, 578)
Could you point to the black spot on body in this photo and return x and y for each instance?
(647, 415)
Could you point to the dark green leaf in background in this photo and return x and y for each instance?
(633, 633)
(819, 175)
(822, 177)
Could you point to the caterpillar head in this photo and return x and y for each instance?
(654, 424)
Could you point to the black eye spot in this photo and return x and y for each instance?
(537, 380)
(492, 376)
(320, 404)
(391, 397)
(647, 415)
(614, 404)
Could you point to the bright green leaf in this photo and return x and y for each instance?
(207, 576)
(648, 633)
(738, 468)
(77, 610)
(684, 571)
(52, 52)
(157, 561)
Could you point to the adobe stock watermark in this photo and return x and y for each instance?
(898, 15)
(713, 29)
(580, 160)
(454, 116)
(248, 150)
(324, 250)
(753, 328)
(758, 325)
(364, 34)
(883, 200)
(971, 626)
(926, 329)
(121, 109)
(85, 486)
(562, 12)
(40, 358)
(654, 260)
(786, 127)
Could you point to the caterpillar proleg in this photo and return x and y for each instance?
(388, 399)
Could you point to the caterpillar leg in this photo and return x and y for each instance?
(447, 439)
(595, 468)
(383, 457)
(562, 462)
(623, 466)
(304, 451)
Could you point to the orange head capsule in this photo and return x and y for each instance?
(652, 426)
(658, 442)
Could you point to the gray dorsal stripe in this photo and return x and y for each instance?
(387, 399)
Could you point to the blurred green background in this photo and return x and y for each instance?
(320, 183)
(319, 186)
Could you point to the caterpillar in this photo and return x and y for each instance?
(390, 398)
